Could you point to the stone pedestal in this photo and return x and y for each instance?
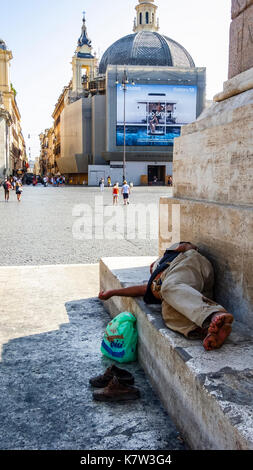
(213, 190)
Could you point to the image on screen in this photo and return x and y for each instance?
(154, 114)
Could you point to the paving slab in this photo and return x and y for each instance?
(208, 394)
(52, 326)
(33, 298)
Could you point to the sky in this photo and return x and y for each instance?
(43, 34)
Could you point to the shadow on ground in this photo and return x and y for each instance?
(46, 400)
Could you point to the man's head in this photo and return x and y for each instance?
(183, 246)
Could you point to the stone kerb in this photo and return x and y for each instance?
(193, 384)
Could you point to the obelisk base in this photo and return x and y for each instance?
(213, 186)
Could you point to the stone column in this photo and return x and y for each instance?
(213, 177)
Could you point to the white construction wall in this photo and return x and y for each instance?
(134, 171)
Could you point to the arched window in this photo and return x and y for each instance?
(147, 17)
(140, 18)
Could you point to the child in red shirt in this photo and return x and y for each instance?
(115, 194)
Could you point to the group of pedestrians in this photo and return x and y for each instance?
(125, 190)
(54, 181)
(58, 181)
(12, 184)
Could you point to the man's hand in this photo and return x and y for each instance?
(104, 295)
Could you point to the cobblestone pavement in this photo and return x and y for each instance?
(46, 362)
(46, 400)
(39, 229)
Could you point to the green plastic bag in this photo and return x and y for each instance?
(120, 338)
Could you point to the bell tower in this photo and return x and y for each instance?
(5, 58)
(84, 63)
(146, 19)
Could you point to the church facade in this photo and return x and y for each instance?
(121, 116)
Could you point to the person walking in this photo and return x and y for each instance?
(7, 186)
(45, 181)
(170, 181)
(115, 194)
(125, 192)
(102, 184)
(19, 190)
(109, 182)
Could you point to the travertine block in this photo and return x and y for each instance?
(224, 235)
(216, 163)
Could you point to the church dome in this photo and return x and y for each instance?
(146, 48)
(3, 45)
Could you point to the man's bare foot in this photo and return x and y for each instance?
(218, 331)
(104, 295)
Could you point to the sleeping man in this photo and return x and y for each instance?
(182, 282)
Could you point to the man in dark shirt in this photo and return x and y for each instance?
(182, 281)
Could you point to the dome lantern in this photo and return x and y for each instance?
(146, 46)
(146, 16)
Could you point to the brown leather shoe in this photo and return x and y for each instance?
(115, 391)
(103, 380)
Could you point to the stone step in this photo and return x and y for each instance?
(209, 395)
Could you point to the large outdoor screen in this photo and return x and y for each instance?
(154, 114)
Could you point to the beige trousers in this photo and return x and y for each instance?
(186, 292)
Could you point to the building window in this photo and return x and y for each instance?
(58, 120)
(147, 17)
(140, 18)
